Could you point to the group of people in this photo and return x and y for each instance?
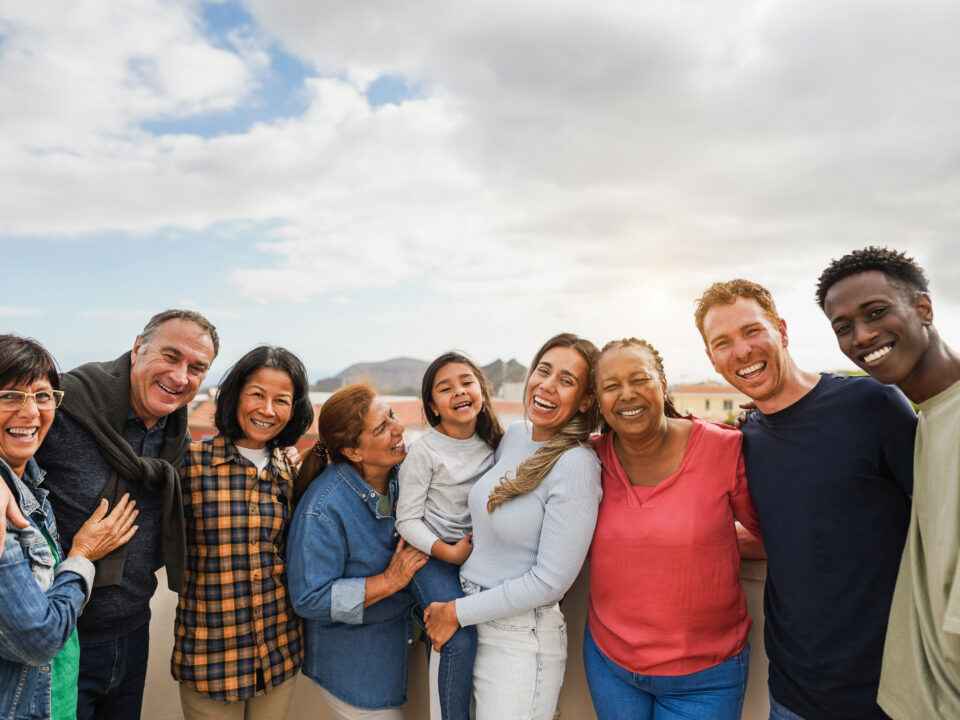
(329, 563)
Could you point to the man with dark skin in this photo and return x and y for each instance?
(878, 304)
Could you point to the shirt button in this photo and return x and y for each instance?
(46, 668)
(396, 534)
(410, 641)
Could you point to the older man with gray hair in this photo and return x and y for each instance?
(123, 428)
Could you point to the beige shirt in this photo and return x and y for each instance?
(921, 659)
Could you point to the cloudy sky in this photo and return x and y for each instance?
(362, 180)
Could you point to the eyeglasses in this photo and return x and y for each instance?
(16, 399)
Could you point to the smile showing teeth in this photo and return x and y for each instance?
(398, 446)
(630, 413)
(543, 404)
(23, 432)
(462, 405)
(261, 423)
(752, 370)
(166, 389)
(877, 354)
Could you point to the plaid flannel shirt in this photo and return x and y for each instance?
(234, 619)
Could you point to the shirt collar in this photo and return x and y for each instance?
(223, 451)
(367, 494)
(24, 487)
(158, 426)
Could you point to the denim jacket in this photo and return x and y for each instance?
(337, 540)
(39, 603)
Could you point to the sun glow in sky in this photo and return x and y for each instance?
(358, 181)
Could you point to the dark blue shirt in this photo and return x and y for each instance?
(831, 477)
(76, 474)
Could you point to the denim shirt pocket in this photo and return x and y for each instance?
(37, 552)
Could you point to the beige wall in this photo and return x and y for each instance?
(161, 701)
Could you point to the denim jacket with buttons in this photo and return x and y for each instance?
(39, 600)
(338, 539)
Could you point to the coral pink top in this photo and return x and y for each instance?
(665, 593)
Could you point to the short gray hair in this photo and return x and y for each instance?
(150, 329)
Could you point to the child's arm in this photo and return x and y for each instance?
(455, 553)
(416, 474)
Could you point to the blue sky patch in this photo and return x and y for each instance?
(279, 95)
(391, 90)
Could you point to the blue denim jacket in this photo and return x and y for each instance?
(337, 540)
(39, 603)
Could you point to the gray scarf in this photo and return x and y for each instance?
(98, 398)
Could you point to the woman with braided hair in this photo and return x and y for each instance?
(533, 516)
(667, 620)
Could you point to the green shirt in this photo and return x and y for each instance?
(64, 668)
(921, 659)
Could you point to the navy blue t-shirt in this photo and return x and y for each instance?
(831, 477)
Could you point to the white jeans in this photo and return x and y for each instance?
(519, 665)
(343, 711)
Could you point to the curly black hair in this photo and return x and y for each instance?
(902, 271)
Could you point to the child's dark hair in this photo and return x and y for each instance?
(902, 271)
(275, 358)
(488, 424)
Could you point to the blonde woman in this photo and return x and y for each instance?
(533, 517)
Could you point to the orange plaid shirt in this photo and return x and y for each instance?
(236, 634)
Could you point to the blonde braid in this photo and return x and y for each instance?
(535, 468)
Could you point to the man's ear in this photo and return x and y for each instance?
(137, 344)
(782, 327)
(923, 306)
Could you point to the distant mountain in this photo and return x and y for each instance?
(398, 376)
(402, 376)
(499, 372)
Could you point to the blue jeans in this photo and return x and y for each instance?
(112, 676)
(618, 694)
(439, 581)
(779, 712)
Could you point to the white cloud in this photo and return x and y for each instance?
(554, 165)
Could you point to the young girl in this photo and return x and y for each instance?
(432, 515)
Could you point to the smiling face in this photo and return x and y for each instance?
(22, 431)
(457, 397)
(747, 348)
(264, 407)
(557, 389)
(380, 446)
(631, 392)
(877, 327)
(166, 373)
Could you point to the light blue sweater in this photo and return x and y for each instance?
(528, 552)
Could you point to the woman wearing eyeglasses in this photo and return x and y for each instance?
(41, 591)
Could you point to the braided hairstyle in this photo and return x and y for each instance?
(575, 433)
(669, 409)
(902, 271)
